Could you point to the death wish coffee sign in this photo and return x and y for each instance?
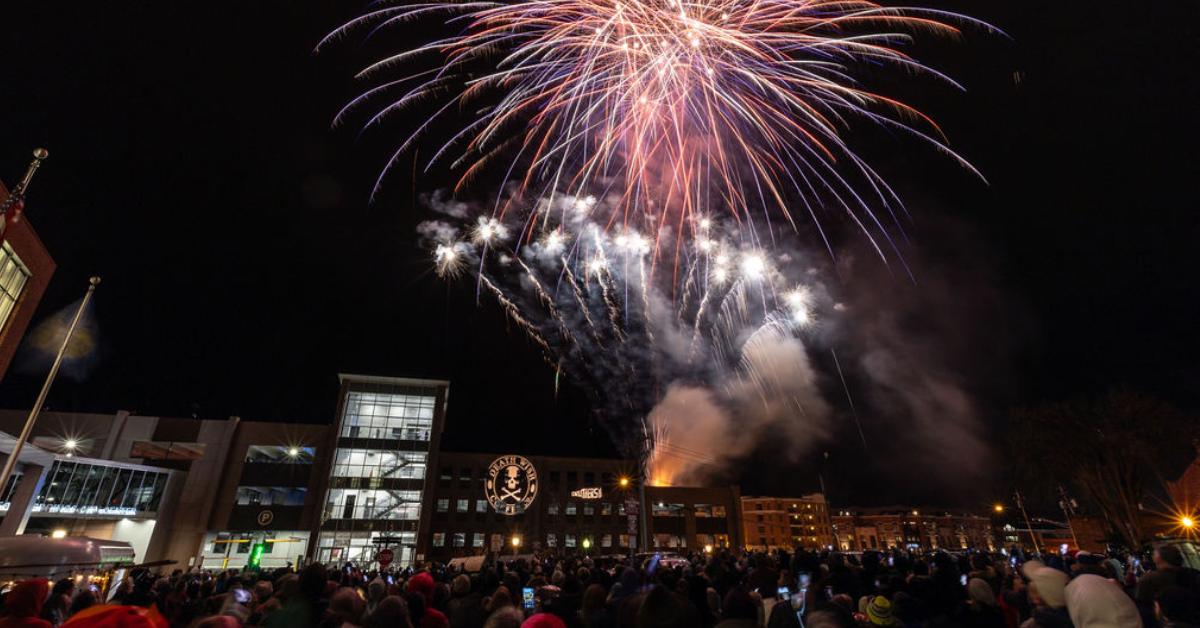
(512, 484)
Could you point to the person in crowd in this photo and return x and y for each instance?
(1096, 602)
(739, 610)
(390, 612)
(1176, 607)
(1047, 593)
(721, 589)
(345, 609)
(465, 607)
(23, 605)
(877, 611)
(376, 591)
(55, 608)
(83, 599)
(1168, 571)
(505, 617)
(422, 586)
(980, 609)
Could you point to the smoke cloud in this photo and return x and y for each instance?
(703, 432)
(753, 375)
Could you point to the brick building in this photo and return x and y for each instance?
(787, 522)
(858, 529)
(25, 271)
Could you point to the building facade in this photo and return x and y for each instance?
(861, 529)
(199, 492)
(25, 271)
(576, 505)
(771, 523)
(214, 493)
(387, 436)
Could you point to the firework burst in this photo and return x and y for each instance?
(670, 107)
(584, 298)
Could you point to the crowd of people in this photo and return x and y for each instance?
(723, 589)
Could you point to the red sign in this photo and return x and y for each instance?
(384, 558)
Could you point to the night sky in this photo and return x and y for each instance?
(193, 166)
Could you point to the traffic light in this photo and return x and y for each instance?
(256, 552)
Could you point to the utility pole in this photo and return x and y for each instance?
(11, 462)
(1068, 505)
(1021, 504)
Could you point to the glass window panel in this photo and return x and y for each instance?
(135, 485)
(12, 282)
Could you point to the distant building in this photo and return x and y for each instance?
(1043, 535)
(787, 522)
(25, 271)
(859, 529)
(207, 492)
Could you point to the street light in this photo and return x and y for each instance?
(587, 543)
(292, 452)
(998, 508)
(623, 482)
(1187, 522)
(516, 542)
(70, 444)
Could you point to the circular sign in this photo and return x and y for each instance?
(265, 518)
(384, 558)
(511, 485)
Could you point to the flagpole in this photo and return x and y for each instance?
(11, 462)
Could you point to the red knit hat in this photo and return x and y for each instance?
(544, 620)
(116, 616)
(422, 584)
(26, 599)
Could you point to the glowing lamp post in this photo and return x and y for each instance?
(1187, 523)
(998, 508)
(516, 544)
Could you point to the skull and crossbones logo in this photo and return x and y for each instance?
(511, 484)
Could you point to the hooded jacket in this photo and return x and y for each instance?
(24, 603)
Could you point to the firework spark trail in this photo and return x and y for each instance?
(514, 313)
(547, 301)
(614, 312)
(645, 290)
(581, 301)
(689, 284)
(849, 399)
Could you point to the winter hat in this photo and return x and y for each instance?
(1048, 582)
(543, 620)
(879, 612)
(981, 592)
(422, 584)
(115, 616)
(26, 599)
(1094, 602)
